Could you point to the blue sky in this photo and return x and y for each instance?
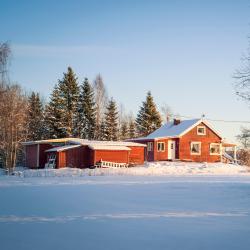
(185, 52)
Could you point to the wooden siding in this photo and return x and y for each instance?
(136, 155)
(161, 155)
(42, 154)
(31, 156)
(206, 140)
(113, 156)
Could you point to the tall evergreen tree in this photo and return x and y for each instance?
(102, 131)
(111, 122)
(35, 117)
(124, 130)
(148, 118)
(69, 94)
(131, 129)
(86, 110)
(54, 115)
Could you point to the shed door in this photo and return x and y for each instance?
(171, 150)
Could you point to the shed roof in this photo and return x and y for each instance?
(62, 148)
(171, 130)
(108, 147)
(108, 143)
(49, 141)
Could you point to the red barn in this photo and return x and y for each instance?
(188, 140)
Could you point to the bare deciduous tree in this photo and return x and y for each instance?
(4, 60)
(101, 100)
(13, 117)
(167, 113)
(242, 77)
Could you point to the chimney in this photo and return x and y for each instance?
(177, 121)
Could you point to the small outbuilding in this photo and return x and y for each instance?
(79, 153)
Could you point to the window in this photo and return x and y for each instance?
(160, 146)
(150, 146)
(195, 148)
(214, 149)
(201, 130)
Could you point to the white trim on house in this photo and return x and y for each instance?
(150, 147)
(201, 127)
(195, 142)
(162, 149)
(213, 144)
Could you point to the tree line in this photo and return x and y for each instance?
(76, 108)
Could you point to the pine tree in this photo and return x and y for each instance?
(148, 118)
(86, 111)
(102, 131)
(131, 129)
(124, 130)
(111, 122)
(35, 117)
(54, 115)
(69, 94)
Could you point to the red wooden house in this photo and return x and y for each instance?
(187, 140)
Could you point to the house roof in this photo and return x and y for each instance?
(172, 131)
(62, 148)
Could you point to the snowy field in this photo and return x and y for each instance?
(126, 210)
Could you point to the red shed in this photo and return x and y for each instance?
(85, 153)
(35, 156)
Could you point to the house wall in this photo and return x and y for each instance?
(191, 136)
(136, 155)
(161, 155)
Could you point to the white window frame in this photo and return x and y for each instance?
(150, 146)
(211, 144)
(161, 149)
(191, 144)
(199, 133)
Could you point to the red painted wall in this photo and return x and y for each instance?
(31, 156)
(161, 155)
(136, 155)
(43, 155)
(191, 136)
(113, 156)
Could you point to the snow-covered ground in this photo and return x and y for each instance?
(149, 169)
(126, 210)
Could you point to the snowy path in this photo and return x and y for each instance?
(125, 212)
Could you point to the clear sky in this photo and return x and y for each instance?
(185, 52)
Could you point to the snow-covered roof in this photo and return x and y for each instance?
(171, 130)
(107, 143)
(49, 141)
(108, 147)
(62, 148)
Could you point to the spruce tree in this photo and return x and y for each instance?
(69, 94)
(131, 129)
(111, 122)
(54, 115)
(102, 131)
(124, 130)
(148, 118)
(86, 110)
(35, 117)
